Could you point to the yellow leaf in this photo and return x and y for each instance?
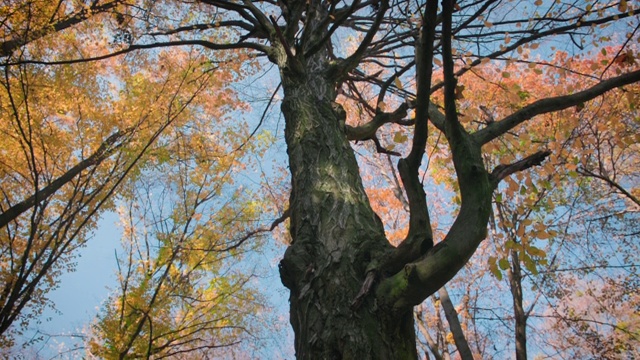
(534, 251)
(450, 338)
(399, 137)
(542, 235)
(622, 6)
(529, 264)
(398, 83)
(493, 267)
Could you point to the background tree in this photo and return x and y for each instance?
(181, 289)
(74, 134)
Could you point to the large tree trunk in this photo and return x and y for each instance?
(351, 292)
(336, 235)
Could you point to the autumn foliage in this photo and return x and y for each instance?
(491, 146)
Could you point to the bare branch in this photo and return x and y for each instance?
(344, 66)
(586, 172)
(454, 324)
(135, 47)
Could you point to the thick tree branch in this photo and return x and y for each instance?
(201, 27)
(548, 105)
(502, 171)
(262, 19)
(425, 276)
(235, 7)
(420, 237)
(454, 324)
(453, 129)
(368, 130)
(281, 39)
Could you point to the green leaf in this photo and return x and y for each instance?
(493, 267)
(534, 251)
(529, 264)
(503, 263)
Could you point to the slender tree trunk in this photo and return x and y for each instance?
(336, 235)
(432, 344)
(515, 282)
(454, 324)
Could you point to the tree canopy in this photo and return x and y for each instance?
(413, 132)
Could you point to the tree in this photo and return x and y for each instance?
(74, 135)
(180, 287)
(352, 293)
(557, 233)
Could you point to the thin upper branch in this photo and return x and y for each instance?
(346, 65)
(585, 172)
(135, 47)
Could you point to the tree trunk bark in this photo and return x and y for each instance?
(336, 236)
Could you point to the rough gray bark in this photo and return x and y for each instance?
(336, 235)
